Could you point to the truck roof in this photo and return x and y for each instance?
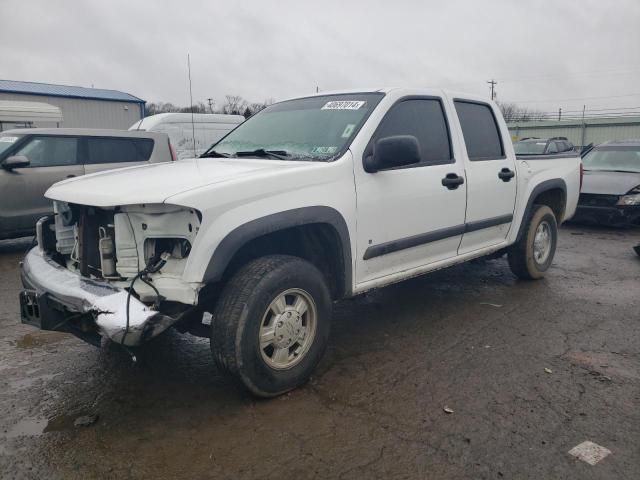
(400, 90)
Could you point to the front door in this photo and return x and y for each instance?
(406, 217)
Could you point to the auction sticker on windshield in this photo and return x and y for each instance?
(8, 139)
(343, 105)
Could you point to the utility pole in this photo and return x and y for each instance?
(317, 89)
(211, 104)
(493, 83)
(559, 113)
(584, 128)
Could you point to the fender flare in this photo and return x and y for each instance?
(296, 217)
(555, 183)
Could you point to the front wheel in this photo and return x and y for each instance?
(271, 324)
(531, 256)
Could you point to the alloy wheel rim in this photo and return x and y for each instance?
(288, 329)
(542, 243)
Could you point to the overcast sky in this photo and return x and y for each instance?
(543, 54)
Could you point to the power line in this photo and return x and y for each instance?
(575, 98)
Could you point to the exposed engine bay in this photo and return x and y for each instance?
(114, 272)
(117, 244)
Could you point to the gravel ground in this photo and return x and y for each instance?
(528, 369)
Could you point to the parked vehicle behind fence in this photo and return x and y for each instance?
(309, 201)
(542, 146)
(610, 194)
(207, 128)
(33, 159)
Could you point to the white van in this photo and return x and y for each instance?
(208, 129)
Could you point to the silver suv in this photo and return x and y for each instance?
(34, 159)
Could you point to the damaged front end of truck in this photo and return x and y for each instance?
(114, 272)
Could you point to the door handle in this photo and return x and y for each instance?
(70, 176)
(505, 174)
(452, 181)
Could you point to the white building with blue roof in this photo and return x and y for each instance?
(81, 107)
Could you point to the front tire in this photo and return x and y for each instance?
(531, 256)
(271, 324)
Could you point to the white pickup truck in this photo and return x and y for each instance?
(311, 200)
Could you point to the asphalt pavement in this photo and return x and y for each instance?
(464, 373)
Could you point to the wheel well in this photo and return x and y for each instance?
(318, 243)
(555, 199)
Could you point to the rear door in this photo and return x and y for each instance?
(107, 153)
(491, 181)
(52, 159)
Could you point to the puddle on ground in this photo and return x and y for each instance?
(34, 427)
(32, 380)
(605, 364)
(35, 340)
(29, 427)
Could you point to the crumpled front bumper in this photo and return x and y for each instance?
(610, 215)
(58, 299)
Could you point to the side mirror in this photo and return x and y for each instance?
(15, 161)
(394, 151)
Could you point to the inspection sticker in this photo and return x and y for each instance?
(324, 150)
(8, 139)
(348, 130)
(343, 105)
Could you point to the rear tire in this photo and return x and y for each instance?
(271, 324)
(531, 256)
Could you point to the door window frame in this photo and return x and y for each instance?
(495, 121)
(369, 148)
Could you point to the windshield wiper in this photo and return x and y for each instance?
(214, 154)
(261, 152)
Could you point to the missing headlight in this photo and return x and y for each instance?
(177, 247)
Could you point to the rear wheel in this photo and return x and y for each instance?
(531, 256)
(271, 324)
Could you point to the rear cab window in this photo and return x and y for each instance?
(424, 119)
(480, 130)
(118, 150)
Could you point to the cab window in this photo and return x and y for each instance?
(480, 130)
(425, 120)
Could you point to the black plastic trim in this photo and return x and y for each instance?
(541, 188)
(488, 223)
(413, 241)
(238, 237)
(422, 238)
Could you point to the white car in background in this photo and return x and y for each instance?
(207, 128)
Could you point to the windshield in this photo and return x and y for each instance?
(315, 128)
(613, 158)
(7, 141)
(529, 148)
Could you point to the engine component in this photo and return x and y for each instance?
(107, 254)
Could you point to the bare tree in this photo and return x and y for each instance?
(514, 113)
(234, 105)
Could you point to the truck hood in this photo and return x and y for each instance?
(154, 183)
(609, 183)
